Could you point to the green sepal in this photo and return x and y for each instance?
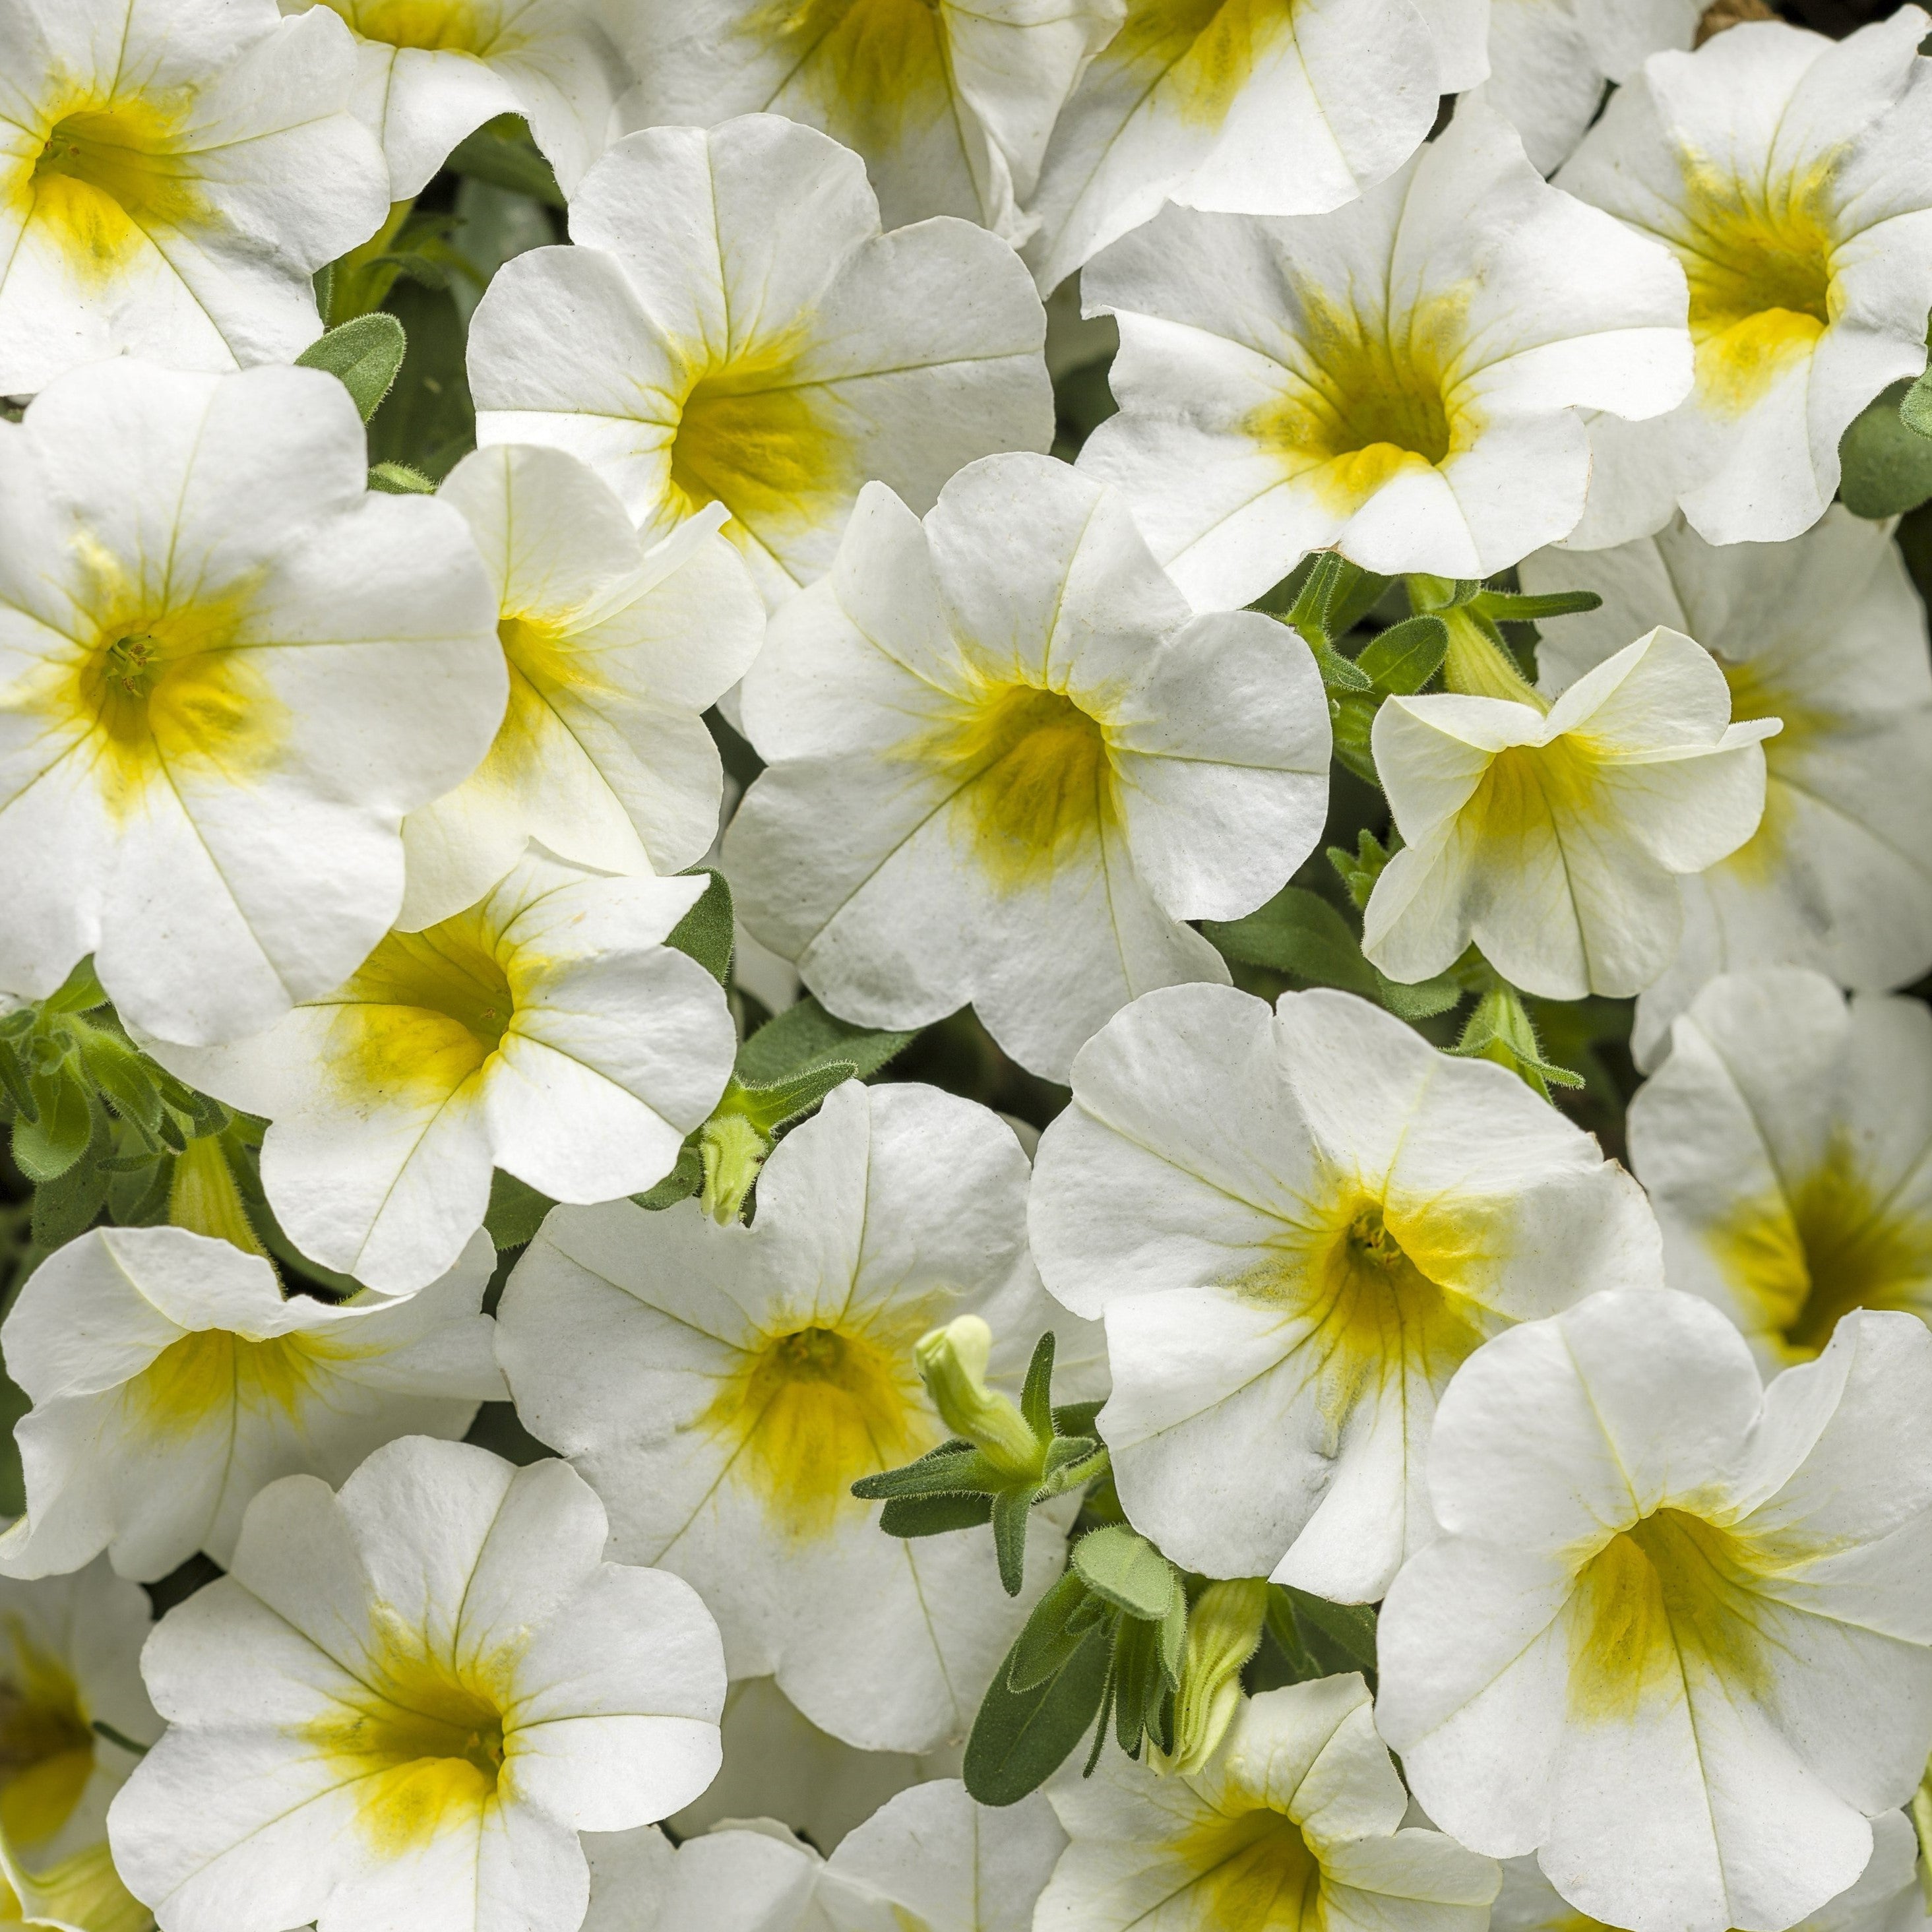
(1500, 1029)
(1071, 1461)
(516, 1211)
(1011, 1510)
(1121, 1567)
(1037, 1394)
(502, 153)
(1134, 1660)
(1360, 869)
(680, 1184)
(1342, 676)
(1021, 1738)
(707, 932)
(364, 355)
(399, 479)
(1404, 658)
(909, 1516)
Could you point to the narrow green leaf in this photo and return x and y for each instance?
(806, 1035)
(1405, 657)
(516, 1211)
(1051, 1635)
(953, 1469)
(1340, 674)
(1134, 1661)
(1308, 614)
(1021, 1738)
(1037, 1394)
(934, 1516)
(1511, 607)
(364, 355)
(1011, 1510)
(706, 932)
(1887, 467)
(79, 992)
(680, 1184)
(1128, 1571)
(1297, 932)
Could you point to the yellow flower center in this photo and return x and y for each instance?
(47, 1743)
(811, 1409)
(422, 1741)
(1255, 1874)
(1758, 256)
(1830, 1245)
(1032, 780)
(212, 1371)
(1670, 1602)
(1204, 50)
(1365, 399)
(108, 174)
(458, 26)
(875, 68)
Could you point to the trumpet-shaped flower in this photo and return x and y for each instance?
(1674, 1639)
(1297, 1225)
(226, 672)
(548, 1031)
(1038, 762)
(1785, 172)
(404, 1703)
(1787, 1144)
(733, 327)
(614, 652)
(1826, 634)
(1250, 108)
(950, 104)
(722, 1388)
(428, 72)
(172, 1382)
(1886, 1898)
(1296, 1820)
(1549, 59)
(70, 1660)
(172, 172)
(1553, 839)
(1401, 380)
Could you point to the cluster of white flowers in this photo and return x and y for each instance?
(838, 841)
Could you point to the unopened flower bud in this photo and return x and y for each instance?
(1224, 1630)
(732, 1150)
(203, 1198)
(953, 1362)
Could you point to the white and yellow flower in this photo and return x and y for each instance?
(724, 1387)
(614, 651)
(404, 1703)
(172, 172)
(1297, 1226)
(1296, 1821)
(226, 672)
(1786, 172)
(429, 72)
(74, 1717)
(1245, 106)
(1826, 634)
(547, 1029)
(733, 327)
(1549, 61)
(1402, 380)
(950, 104)
(1676, 1638)
(1552, 835)
(1039, 762)
(1787, 1144)
(171, 1382)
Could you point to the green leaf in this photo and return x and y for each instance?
(1021, 1738)
(1051, 1635)
(502, 153)
(44, 1148)
(1135, 1661)
(1887, 466)
(1353, 593)
(1011, 1510)
(1340, 676)
(79, 992)
(126, 1077)
(1037, 1394)
(1420, 1001)
(954, 1469)
(934, 1515)
(364, 355)
(1406, 656)
(707, 932)
(806, 1036)
(1125, 1570)
(428, 423)
(516, 1210)
(1352, 727)
(1359, 870)
(1914, 410)
(680, 1184)
(1350, 1627)
(1512, 606)
(769, 1108)
(19, 1097)
(1308, 614)
(1297, 932)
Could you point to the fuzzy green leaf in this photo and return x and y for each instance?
(680, 1184)
(934, 1515)
(1127, 1570)
(364, 355)
(1051, 1637)
(1406, 656)
(1350, 1627)
(45, 1147)
(806, 1035)
(1037, 1394)
(1887, 466)
(516, 1210)
(706, 932)
(954, 1469)
(770, 1108)
(1021, 1738)
(1011, 1510)
(1297, 932)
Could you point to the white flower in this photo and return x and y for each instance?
(733, 327)
(70, 1659)
(428, 72)
(1549, 59)
(949, 102)
(1253, 109)
(403, 1704)
(1826, 634)
(1296, 1820)
(723, 1388)
(1297, 1225)
(548, 1031)
(930, 1860)
(1787, 173)
(1038, 762)
(227, 671)
(1552, 835)
(171, 1382)
(1886, 1898)
(1674, 1637)
(1400, 380)
(614, 651)
(172, 172)
(1787, 1145)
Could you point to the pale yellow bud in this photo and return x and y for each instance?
(1224, 1630)
(952, 1363)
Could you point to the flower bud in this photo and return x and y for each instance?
(203, 1198)
(1224, 1630)
(952, 1363)
(732, 1150)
